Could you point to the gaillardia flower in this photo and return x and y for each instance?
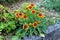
(35, 24)
(17, 15)
(25, 26)
(41, 15)
(21, 15)
(30, 7)
(33, 11)
(32, 4)
(24, 16)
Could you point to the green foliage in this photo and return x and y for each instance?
(52, 4)
(32, 20)
(6, 20)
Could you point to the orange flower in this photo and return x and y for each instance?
(41, 15)
(25, 26)
(33, 11)
(25, 16)
(32, 4)
(30, 7)
(21, 15)
(35, 24)
(17, 15)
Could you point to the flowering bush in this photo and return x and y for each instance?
(31, 19)
(28, 20)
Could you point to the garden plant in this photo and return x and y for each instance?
(27, 20)
(31, 19)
